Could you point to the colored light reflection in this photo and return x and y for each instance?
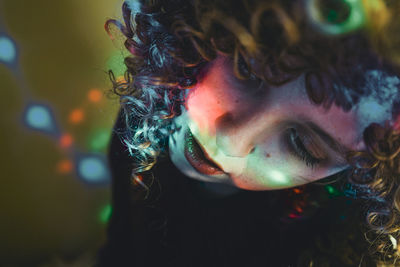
(278, 177)
(39, 117)
(95, 95)
(105, 213)
(99, 140)
(76, 116)
(8, 51)
(93, 169)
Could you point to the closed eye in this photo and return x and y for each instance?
(296, 146)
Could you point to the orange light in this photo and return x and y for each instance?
(120, 79)
(66, 140)
(137, 179)
(76, 116)
(64, 166)
(95, 95)
(297, 191)
(299, 209)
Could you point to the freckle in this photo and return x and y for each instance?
(268, 155)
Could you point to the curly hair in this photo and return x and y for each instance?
(274, 41)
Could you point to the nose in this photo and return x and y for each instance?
(235, 136)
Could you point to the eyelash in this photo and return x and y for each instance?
(298, 149)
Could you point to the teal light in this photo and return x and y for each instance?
(92, 169)
(38, 117)
(8, 51)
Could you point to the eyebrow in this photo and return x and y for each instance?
(328, 139)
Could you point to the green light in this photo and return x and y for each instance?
(330, 189)
(116, 63)
(105, 213)
(332, 22)
(278, 177)
(99, 140)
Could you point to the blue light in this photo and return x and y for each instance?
(92, 169)
(39, 117)
(8, 50)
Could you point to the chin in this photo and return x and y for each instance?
(247, 184)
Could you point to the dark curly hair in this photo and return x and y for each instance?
(274, 41)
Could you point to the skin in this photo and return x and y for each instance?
(242, 126)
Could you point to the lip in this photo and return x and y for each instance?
(198, 158)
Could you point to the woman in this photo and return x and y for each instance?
(261, 103)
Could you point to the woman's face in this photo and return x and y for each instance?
(260, 137)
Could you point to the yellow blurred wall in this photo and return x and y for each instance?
(63, 53)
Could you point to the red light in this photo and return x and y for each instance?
(297, 191)
(64, 166)
(66, 140)
(299, 209)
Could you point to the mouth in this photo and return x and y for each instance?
(198, 157)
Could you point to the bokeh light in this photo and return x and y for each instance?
(76, 116)
(337, 17)
(8, 51)
(332, 190)
(93, 169)
(99, 140)
(66, 140)
(297, 191)
(95, 95)
(105, 213)
(39, 117)
(65, 166)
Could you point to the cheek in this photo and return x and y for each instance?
(208, 101)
